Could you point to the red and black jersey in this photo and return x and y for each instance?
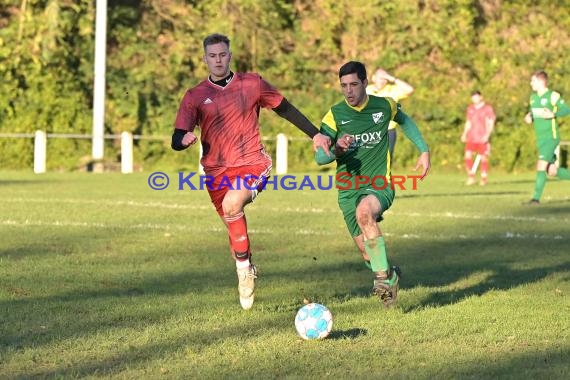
(228, 118)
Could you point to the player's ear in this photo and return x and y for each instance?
(204, 59)
(365, 82)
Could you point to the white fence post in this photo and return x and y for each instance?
(281, 154)
(126, 152)
(40, 147)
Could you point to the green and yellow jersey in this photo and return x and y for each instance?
(547, 128)
(388, 91)
(369, 154)
(368, 125)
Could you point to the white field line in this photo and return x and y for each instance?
(314, 210)
(167, 228)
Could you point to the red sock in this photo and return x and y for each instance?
(469, 165)
(484, 168)
(237, 231)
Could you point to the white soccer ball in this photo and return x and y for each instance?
(313, 321)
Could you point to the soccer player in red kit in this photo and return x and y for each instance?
(226, 107)
(479, 124)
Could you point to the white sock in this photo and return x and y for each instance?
(242, 264)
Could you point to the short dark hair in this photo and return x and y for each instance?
(353, 67)
(541, 74)
(476, 92)
(216, 38)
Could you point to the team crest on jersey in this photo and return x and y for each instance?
(543, 102)
(378, 117)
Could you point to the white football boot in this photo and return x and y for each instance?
(246, 286)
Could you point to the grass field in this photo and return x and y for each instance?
(102, 277)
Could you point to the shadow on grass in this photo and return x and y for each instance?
(501, 278)
(407, 194)
(502, 255)
(130, 357)
(347, 334)
(18, 182)
(559, 207)
(83, 303)
(546, 364)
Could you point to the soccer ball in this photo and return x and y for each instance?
(313, 321)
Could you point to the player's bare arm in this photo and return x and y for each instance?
(406, 88)
(490, 124)
(425, 163)
(465, 130)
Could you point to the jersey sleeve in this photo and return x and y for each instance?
(411, 130)
(269, 97)
(394, 107)
(187, 116)
(328, 126)
(561, 108)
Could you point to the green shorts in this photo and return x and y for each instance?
(546, 149)
(348, 201)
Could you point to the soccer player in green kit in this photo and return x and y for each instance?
(358, 128)
(545, 106)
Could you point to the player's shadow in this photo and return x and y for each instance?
(515, 182)
(18, 182)
(406, 194)
(347, 334)
(561, 206)
(502, 278)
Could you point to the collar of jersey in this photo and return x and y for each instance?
(544, 93)
(361, 107)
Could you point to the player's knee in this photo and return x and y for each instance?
(232, 204)
(364, 216)
(541, 165)
(551, 170)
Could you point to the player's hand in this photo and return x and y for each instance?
(321, 141)
(425, 163)
(528, 118)
(343, 143)
(381, 74)
(547, 114)
(463, 138)
(189, 139)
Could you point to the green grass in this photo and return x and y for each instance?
(102, 277)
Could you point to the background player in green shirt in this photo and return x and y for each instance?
(545, 106)
(358, 128)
